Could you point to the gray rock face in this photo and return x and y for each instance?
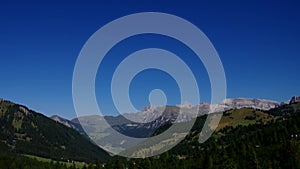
(238, 103)
(295, 99)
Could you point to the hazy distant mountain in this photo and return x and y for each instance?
(27, 132)
(68, 123)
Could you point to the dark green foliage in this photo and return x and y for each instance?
(250, 118)
(14, 161)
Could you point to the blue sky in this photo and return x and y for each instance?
(258, 43)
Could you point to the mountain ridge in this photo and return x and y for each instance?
(143, 124)
(221, 105)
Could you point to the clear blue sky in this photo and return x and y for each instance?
(258, 43)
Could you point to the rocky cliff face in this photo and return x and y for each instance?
(295, 99)
(238, 103)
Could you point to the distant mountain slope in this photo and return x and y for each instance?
(68, 123)
(286, 109)
(27, 132)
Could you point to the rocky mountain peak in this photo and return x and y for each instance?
(186, 104)
(149, 108)
(295, 99)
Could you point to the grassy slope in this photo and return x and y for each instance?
(48, 160)
(244, 116)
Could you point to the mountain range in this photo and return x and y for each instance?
(144, 123)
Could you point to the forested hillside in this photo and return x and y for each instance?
(26, 132)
